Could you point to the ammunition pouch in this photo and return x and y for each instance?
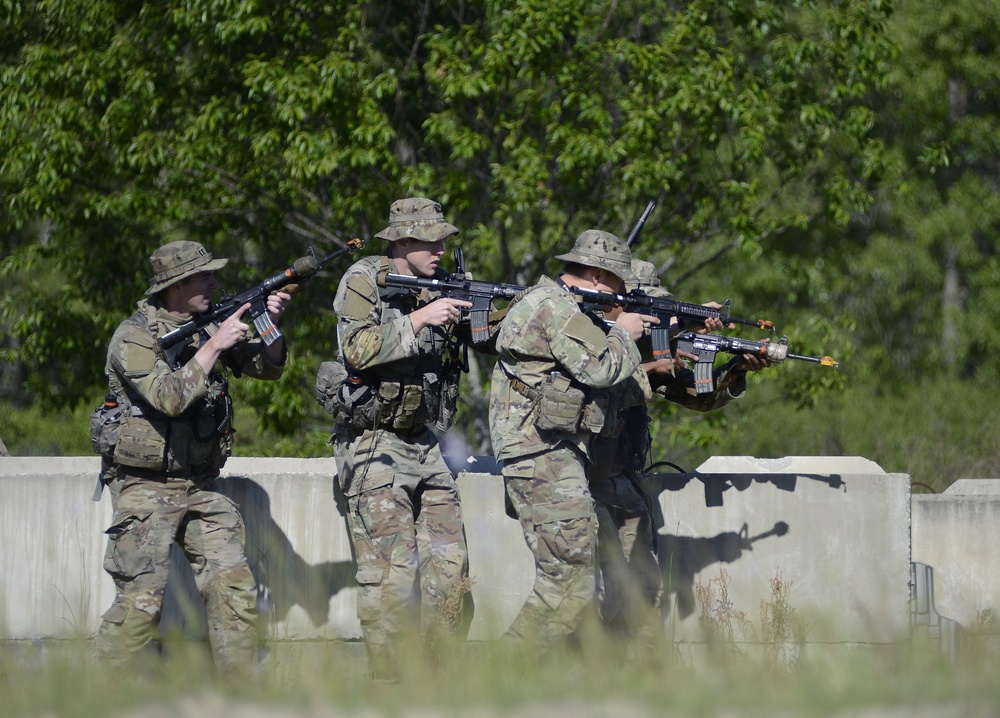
(399, 403)
(563, 406)
(142, 441)
(441, 398)
(560, 405)
(200, 441)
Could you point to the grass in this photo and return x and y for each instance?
(67, 682)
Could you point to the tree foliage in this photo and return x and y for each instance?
(262, 127)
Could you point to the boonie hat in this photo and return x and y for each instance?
(176, 260)
(416, 218)
(647, 279)
(595, 248)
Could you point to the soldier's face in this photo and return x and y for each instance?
(417, 257)
(191, 295)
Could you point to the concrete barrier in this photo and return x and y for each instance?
(957, 533)
(52, 548)
(827, 537)
(836, 530)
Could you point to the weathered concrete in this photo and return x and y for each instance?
(832, 531)
(957, 533)
(52, 548)
(837, 529)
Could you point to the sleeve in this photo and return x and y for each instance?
(729, 386)
(589, 355)
(365, 341)
(167, 391)
(249, 359)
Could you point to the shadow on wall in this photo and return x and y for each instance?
(284, 578)
(682, 558)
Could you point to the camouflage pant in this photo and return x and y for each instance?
(406, 523)
(150, 514)
(550, 495)
(630, 574)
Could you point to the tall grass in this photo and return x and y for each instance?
(322, 679)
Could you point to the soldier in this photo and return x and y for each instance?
(543, 412)
(403, 508)
(629, 572)
(175, 436)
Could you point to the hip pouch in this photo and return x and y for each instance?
(105, 424)
(331, 376)
(600, 414)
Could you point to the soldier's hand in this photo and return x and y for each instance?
(438, 313)
(635, 324)
(276, 305)
(233, 330)
(754, 362)
(713, 324)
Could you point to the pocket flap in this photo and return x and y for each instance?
(369, 576)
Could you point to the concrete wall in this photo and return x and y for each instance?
(957, 533)
(836, 528)
(52, 548)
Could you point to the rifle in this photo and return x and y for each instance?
(256, 296)
(459, 286)
(706, 346)
(634, 234)
(665, 310)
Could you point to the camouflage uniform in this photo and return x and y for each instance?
(629, 572)
(403, 507)
(175, 435)
(545, 334)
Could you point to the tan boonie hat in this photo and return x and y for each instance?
(176, 260)
(417, 218)
(595, 248)
(647, 279)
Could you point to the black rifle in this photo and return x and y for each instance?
(665, 309)
(706, 346)
(459, 286)
(256, 297)
(634, 234)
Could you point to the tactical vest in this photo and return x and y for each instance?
(197, 442)
(419, 390)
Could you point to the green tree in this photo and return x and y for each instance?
(260, 127)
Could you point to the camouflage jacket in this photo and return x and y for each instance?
(543, 332)
(376, 340)
(176, 410)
